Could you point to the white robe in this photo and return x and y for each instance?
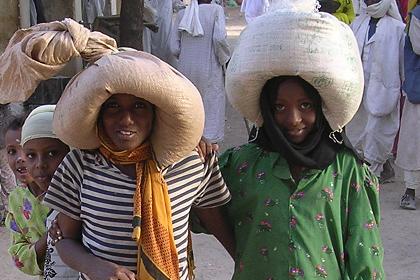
(254, 8)
(201, 60)
(374, 127)
(158, 43)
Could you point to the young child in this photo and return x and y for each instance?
(34, 167)
(304, 206)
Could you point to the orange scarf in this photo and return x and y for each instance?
(152, 221)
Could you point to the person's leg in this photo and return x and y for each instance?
(412, 182)
(387, 172)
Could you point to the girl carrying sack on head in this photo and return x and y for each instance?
(304, 206)
(125, 192)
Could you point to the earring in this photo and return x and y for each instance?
(333, 137)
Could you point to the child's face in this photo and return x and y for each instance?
(127, 120)
(15, 156)
(294, 111)
(43, 157)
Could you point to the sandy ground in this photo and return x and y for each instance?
(399, 227)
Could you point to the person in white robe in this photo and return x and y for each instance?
(157, 43)
(379, 31)
(254, 8)
(408, 154)
(200, 44)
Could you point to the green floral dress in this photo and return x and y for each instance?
(323, 227)
(26, 222)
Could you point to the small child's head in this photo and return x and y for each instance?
(15, 156)
(43, 150)
(295, 106)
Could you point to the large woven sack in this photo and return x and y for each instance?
(313, 45)
(179, 111)
(41, 51)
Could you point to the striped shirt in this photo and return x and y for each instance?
(87, 187)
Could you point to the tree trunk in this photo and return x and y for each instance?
(131, 24)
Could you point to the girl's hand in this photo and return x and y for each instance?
(205, 148)
(105, 270)
(54, 232)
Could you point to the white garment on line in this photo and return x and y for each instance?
(201, 60)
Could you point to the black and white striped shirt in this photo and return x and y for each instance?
(89, 188)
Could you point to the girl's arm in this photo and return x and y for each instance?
(26, 255)
(77, 257)
(213, 220)
(363, 248)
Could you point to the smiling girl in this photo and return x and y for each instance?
(304, 206)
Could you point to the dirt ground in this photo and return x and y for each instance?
(399, 227)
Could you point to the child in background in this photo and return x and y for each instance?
(34, 167)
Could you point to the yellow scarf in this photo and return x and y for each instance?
(152, 221)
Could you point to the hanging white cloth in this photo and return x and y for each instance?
(190, 22)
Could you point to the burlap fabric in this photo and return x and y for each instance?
(313, 45)
(179, 111)
(40, 52)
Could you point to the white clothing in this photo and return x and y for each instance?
(374, 127)
(408, 154)
(382, 8)
(412, 179)
(201, 60)
(190, 22)
(158, 43)
(414, 34)
(254, 8)
(55, 268)
(93, 9)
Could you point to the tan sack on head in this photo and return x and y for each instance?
(179, 111)
(40, 52)
(313, 45)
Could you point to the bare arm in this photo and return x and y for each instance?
(77, 257)
(213, 219)
(41, 249)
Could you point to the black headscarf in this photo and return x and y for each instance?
(318, 150)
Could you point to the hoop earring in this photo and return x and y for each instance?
(255, 137)
(333, 137)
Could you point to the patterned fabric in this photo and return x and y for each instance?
(324, 226)
(7, 184)
(54, 267)
(152, 224)
(89, 188)
(26, 222)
